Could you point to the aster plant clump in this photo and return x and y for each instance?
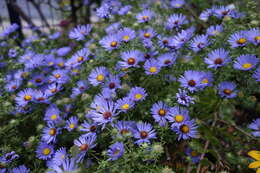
(153, 86)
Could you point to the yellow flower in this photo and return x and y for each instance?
(255, 155)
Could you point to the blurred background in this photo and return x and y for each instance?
(44, 15)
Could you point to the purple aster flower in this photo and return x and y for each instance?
(222, 11)
(44, 151)
(178, 115)
(50, 133)
(207, 79)
(59, 76)
(255, 126)
(114, 27)
(78, 58)
(59, 62)
(25, 58)
(124, 10)
(199, 42)
(180, 39)
(98, 75)
(125, 104)
(54, 36)
(217, 58)
(38, 79)
(8, 157)
(152, 66)
(145, 16)
(106, 112)
(160, 113)
(227, 89)
(148, 33)
(53, 88)
(175, 21)
(163, 41)
(131, 58)
(63, 51)
(177, 3)
(82, 85)
(25, 96)
(110, 42)
(167, 59)
(191, 80)
(115, 151)
(150, 54)
(253, 35)
(13, 85)
(137, 94)
(59, 156)
(68, 165)
(183, 98)
(126, 34)
(256, 74)
(214, 30)
(41, 97)
(143, 133)
(52, 114)
(12, 53)
(124, 127)
(10, 29)
(84, 143)
(238, 39)
(80, 32)
(206, 14)
(195, 157)
(245, 62)
(89, 128)
(113, 82)
(186, 130)
(20, 169)
(72, 123)
(103, 11)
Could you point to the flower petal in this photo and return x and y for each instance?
(255, 164)
(254, 154)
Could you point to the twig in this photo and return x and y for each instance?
(206, 144)
(37, 7)
(237, 128)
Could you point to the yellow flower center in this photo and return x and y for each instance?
(184, 129)
(179, 118)
(247, 65)
(81, 58)
(113, 44)
(72, 126)
(52, 131)
(241, 41)
(153, 69)
(54, 117)
(145, 17)
(75, 70)
(162, 112)
(27, 97)
(205, 81)
(100, 77)
(126, 37)
(61, 64)
(257, 38)
(125, 106)
(116, 152)
(57, 76)
(147, 35)
(193, 154)
(215, 32)
(46, 151)
(51, 63)
(138, 96)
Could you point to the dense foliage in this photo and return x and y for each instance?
(153, 86)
